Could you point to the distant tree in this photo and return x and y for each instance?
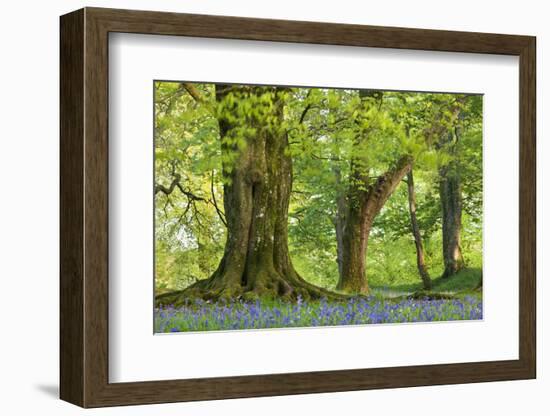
(345, 130)
(450, 185)
(420, 256)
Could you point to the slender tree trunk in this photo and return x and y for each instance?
(339, 222)
(420, 260)
(257, 186)
(450, 194)
(363, 204)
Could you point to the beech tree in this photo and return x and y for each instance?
(450, 195)
(257, 182)
(352, 127)
(278, 192)
(364, 203)
(365, 198)
(450, 186)
(464, 115)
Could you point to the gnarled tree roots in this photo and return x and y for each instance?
(265, 285)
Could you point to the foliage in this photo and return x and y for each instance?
(189, 231)
(332, 133)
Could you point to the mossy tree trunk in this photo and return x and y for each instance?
(450, 194)
(448, 134)
(257, 171)
(364, 202)
(451, 214)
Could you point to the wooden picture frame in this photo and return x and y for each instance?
(84, 207)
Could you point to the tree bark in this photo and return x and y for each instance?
(339, 222)
(364, 202)
(420, 260)
(257, 187)
(450, 194)
(202, 257)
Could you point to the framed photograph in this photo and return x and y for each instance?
(255, 207)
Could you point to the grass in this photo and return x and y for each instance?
(463, 283)
(387, 304)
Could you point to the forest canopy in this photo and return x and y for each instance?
(312, 193)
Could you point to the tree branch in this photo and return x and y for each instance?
(193, 91)
(379, 192)
(214, 202)
(304, 113)
(170, 189)
(176, 184)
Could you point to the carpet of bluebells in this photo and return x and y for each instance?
(205, 316)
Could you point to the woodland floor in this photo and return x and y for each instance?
(451, 299)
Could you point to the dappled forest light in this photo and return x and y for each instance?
(290, 206)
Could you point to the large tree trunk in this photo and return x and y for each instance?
(450, 194)
(257, 185)
(420, 260)
(364, 202)
(451, 212)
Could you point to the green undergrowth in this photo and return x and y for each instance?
(465, 282)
